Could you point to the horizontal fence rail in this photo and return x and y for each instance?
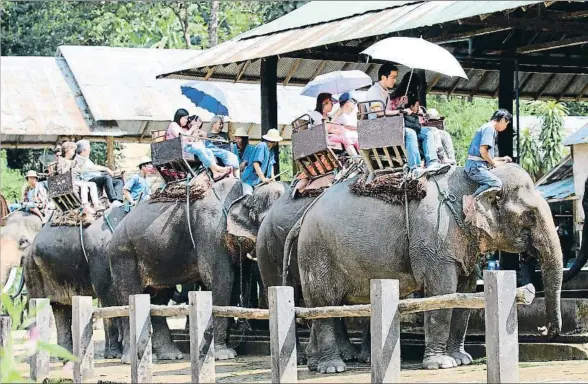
(500, 299)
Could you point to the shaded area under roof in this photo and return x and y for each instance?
(308, 44)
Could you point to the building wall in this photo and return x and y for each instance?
(580, 156)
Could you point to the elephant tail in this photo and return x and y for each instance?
(291, 239)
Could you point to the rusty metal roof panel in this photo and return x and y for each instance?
(406, 17)
(36, 99)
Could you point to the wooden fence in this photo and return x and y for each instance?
(500, 299)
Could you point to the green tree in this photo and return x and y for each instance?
(530, 154)
(552, 115)
(12, 180)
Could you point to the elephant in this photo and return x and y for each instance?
(338, 257)
(59, 266)
(17, 235)
(271, 239)
(153, 248)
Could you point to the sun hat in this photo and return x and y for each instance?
(241, 132)
(273, 135)
(433, 114)
(31, 174)
(144, 160)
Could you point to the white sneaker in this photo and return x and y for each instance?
(436, 168)
(115, 204)
(417, 173)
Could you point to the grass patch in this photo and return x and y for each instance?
(480, 361)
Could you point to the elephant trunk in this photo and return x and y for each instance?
(547, 248)
(583, 256)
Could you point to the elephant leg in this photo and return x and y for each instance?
(221, 296)
(440, 279)
(459, 324)
(164, 347)
(112, 347)
(347, 350)
(311, 349)
(366, 344)
(330, 358)
(62, 315)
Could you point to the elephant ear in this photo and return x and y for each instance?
(483, 214)
(241, 221)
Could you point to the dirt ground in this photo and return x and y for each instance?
(256, 369)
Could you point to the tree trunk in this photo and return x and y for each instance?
(213, 25)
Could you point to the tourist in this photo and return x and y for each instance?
(387, 75)
(137, 188)
(220, 149)
(324, 106)
(34, 195)
(346, 131)
(98, 174)
(481, 154)
(445, 149)
(241, 147)
(195, 146)
(260, 168)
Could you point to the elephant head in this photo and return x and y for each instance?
(15, 239)
(247, 213)
(583, 256)
(518, 219)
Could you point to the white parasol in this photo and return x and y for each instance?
(336, 83)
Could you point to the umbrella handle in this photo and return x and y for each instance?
(409, 79)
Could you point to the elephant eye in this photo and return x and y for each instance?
(529, 217)
(23, 242)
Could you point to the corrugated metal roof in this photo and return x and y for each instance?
(119, 84)
(558, 190)
(409, 16)
(37, 101)
(578, 137)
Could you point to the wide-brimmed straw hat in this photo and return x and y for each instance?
(273, 135)
(144, 160)
(31, 174)
(241, 132)
(433, 114)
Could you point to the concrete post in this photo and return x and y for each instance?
(502, 328)
(41, 308)
(201, 337)
(81, 332)
(282, 334)
(385, 331)
(140, 326)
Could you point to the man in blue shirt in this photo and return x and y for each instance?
(481, 154)
(260, 167)
(137, 186)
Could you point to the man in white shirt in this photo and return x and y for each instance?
(98, 174)
(387, 75)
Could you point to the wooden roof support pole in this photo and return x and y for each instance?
(582, 92)
(209, 73)
(292, 71)
(318, 69)
(242, 70)
(110, 152)
(506, 85)
(433, 82)
(567, 87)
(544, 86)
(269, 99)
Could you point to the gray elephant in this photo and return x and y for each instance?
(271, 238)
(153, 249)
(337, 257)
(59, 266)
(17, 235)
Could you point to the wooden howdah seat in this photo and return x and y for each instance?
(381, 140)
(63, 193)
(311, 149)
(172, 163)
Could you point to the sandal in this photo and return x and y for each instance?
(225, 174)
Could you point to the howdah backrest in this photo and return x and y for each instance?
(62, 191)
(171, 161)
(301, 123)
(309, 141)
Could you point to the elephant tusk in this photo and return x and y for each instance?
(10, 281)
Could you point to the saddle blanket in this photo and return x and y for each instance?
(390, 187)
(199, 186)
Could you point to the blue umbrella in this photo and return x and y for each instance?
(206, 96)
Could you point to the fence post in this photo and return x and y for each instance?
(502, 328)
(40, 360)
(140, 325)
(385, 331)
(5, 329)
(81, 334)
(201, 324)
(282, 322)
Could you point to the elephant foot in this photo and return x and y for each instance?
(301, 357)
(439, 361)
(167, 352)
(312, 363)
(461, 357)
(112, 353)
(348, 352)
(364, 357)
(333, 365)
(222, 352)
(126, 357)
